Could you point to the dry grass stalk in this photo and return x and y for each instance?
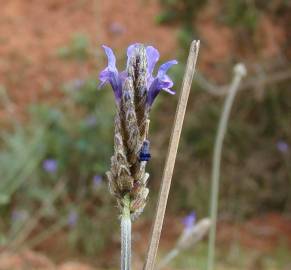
(171, 156)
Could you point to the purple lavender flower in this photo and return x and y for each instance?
(189, 220)
(116, 28)
(50, 165)
(97, 180)
(282, 146)
(154, 83)
(72, 218)
(19, 215)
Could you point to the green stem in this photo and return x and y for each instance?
(126, 235)
(239, 73)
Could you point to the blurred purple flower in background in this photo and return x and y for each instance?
(97, 181)
(282, 146)
(189, 221)
(50, 165)
(19, 215)
(72, 218)
(116, 28)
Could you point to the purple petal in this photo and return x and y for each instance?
(164, 67)
(111, 58)
(110, 74)
(152, 58)
(105, 76)
(167, 81)
(161, 82)
(156, 86)
(171, 92)
(152, 55)
(130, 50)
(115, 81)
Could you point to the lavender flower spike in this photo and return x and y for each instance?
(135, 90)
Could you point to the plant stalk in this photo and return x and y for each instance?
(126, 236)
(240, 72)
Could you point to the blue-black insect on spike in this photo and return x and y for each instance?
(144, 154)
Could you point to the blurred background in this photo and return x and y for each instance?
(56, 131)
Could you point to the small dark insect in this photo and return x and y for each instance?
(144, 154)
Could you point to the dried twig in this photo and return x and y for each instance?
(250, 83)
(171, 156)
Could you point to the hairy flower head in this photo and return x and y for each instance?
(135, 90)
(154, 84)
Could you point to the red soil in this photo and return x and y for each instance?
(31, 33)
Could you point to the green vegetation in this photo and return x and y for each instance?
(75, 134)
(233, 258)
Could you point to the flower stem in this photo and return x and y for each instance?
(240, 72)
(125, 235)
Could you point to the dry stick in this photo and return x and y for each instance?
(250, 83)
(171, 157)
